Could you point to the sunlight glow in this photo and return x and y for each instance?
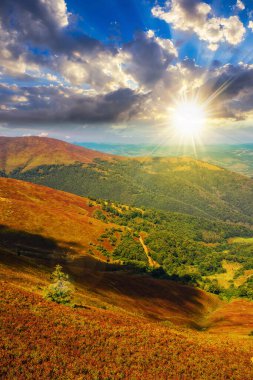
(188, 118)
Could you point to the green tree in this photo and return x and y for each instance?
(60, 291)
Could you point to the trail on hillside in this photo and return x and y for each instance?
(152, 263)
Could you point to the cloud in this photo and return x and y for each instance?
(74, 79)
(103, 71)
(197, 17)
(43, 134)
(250, 25)
(58, 104)
(234, 86)
(240, 5)
(29, 27)
(58, 10)
(148, 56)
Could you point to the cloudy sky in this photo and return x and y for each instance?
(112, 70)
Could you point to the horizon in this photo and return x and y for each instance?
(122, 143)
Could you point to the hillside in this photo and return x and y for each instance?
(46, 340)
(42, 226)
(99, 245)
(181, 185)
(30, 152)
(148, 327)
(63, 220)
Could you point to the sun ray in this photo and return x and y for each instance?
(188, 118)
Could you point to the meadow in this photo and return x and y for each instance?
(41, 339)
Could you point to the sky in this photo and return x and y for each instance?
(118, 70)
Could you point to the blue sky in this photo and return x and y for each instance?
(116, 70)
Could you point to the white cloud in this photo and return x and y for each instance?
(43, 134)
(19, 99)
(58, 10)
(164, 43)
(102, 71)
(198, 18)
(240, 5)
(250, 25)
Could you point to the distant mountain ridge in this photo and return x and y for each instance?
(234, 157)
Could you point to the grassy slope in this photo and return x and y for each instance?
(42, 340)
(29, 152)
(62, 217)
(138, 336)
(174, 184)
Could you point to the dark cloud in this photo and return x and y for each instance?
(190, 6)
(238, 78)
(149, 59)
(37, 24)
(59, 105)
(231, 88)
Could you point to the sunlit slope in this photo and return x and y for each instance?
(63, 218)
(45, 340)
(29, 152)
(175, 184)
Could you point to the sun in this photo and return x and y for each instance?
(188, 118)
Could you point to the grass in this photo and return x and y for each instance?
(225, 279)
(42, 340)
(240, 240)
(127, 325)
(29, 152)
(64, 218)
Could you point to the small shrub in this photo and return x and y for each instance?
(60, 291)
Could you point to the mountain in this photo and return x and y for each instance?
(29, 152)
(234, 157)
(182, 185)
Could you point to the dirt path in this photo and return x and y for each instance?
(152, 263)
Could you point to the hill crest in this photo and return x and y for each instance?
(29, 152)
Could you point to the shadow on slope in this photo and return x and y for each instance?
(111, 285)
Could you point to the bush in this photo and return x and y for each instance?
(60, 291)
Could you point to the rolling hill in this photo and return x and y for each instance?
(181, 185)
(30, 152)
(234, 157)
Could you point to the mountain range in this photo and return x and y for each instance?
(174, 184)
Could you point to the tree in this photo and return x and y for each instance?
(60, 291)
